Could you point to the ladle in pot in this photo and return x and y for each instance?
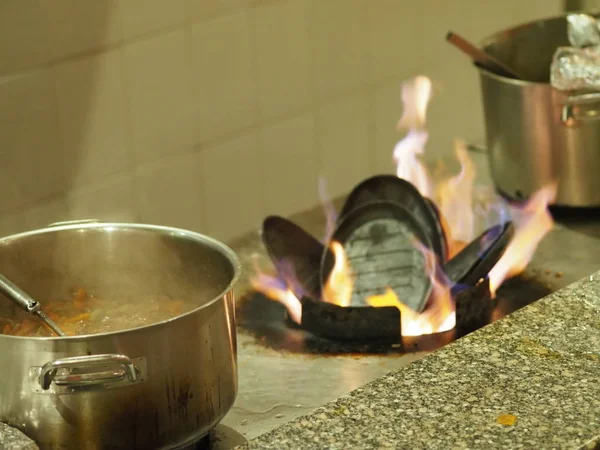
(27, 304)
(482, 58)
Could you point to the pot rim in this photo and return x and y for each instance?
(488, 40)
(170, 231)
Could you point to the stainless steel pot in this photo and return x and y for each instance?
(157, 386)
(536, 134)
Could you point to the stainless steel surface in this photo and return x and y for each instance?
(276, 387)
(20, 298)
(537, 135)
(179, 377)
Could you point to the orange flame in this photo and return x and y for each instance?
(532, 223)
(455, 198)
(415, 97)
(440, 313)
(340, 284)
(276, 289)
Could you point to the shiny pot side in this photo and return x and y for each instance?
(157, 386)
(535, 134)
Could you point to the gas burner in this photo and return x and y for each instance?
(393, 240)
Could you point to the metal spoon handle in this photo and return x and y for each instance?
(18, 296)
(51, 323)
(26, 303)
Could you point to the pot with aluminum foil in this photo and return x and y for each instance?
(150, 361)
(537, 135)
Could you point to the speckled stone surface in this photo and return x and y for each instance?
(538, 368)
(13, 439)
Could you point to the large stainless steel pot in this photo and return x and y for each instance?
(536, 134)
(157, 386)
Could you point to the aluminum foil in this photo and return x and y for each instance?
(583, 30)
(576, 69)
(13, 439)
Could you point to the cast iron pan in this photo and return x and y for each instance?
(296, 254)
(438, 216)
(480, 256)
(390, 188)
(379, 240)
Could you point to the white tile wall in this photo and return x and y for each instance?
(77, 27)
(233, 174)
(171, 192)
(32, 164)
(345, 142)
(158, 80)
(340, 44)
(204, 9)
(92, 117)
(396, 46)
(455, 107)
(209, 114)
(444, 17)
(139, 17)
(282, 57)
(23, 22)
(114, 199)
(223, 76)
(387, 109)
(290, 177)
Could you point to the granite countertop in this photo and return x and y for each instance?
(531, 380)
(13, 439)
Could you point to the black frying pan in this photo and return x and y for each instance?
(390, 188)
(296, 254)
(480, 256)
(379, 240)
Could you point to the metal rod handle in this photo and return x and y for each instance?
(18, 296)
(49, 370)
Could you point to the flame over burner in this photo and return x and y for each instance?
(415, 97)
(533, 222)
(454, 198)
(340, 284)
(276, 289)
(439, 316)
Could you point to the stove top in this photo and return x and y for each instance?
(285, 373)
(266, 321)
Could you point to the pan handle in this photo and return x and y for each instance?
(581, 108)
(75, 371)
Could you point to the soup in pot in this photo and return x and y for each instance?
(84, 314)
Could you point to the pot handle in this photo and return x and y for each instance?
(49, 371)
(581, 108)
